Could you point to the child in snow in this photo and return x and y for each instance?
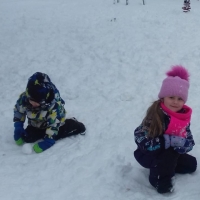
(164, 137)
(42, 105)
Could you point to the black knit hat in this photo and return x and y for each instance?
(39, 88)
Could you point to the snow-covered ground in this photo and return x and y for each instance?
(108, 61)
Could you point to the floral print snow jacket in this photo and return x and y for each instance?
(154, 146)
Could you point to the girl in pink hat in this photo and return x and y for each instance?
(164, 138)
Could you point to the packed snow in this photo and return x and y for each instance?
(108, 61)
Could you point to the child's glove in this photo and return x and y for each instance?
(177, 141)
(44, 145)
(167, 141)
(19, 132)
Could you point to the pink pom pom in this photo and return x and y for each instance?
(179, 71)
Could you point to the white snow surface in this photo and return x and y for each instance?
(108, 62)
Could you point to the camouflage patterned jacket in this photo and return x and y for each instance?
(49, 116)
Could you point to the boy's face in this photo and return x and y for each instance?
(34, 104)
(173, 103)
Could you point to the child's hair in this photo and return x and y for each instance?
(153, 122)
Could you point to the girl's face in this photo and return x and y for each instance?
(34, 104)
(173, 103)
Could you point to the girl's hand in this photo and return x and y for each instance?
(177, 141)
(167, 141)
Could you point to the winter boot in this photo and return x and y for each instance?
(70, 128)
(162, 185)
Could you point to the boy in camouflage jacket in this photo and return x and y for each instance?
(42, 105)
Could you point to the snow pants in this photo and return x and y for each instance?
(71, 127)
(163, 167)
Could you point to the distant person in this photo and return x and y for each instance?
(186, 6)
(44, 108)
(164, 137)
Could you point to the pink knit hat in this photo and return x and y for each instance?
(176, 84)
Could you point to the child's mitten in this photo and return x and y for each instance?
(19, 132)
(44, 145)
(177, 141)
(167, 141)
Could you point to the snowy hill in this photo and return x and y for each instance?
(108, 61)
